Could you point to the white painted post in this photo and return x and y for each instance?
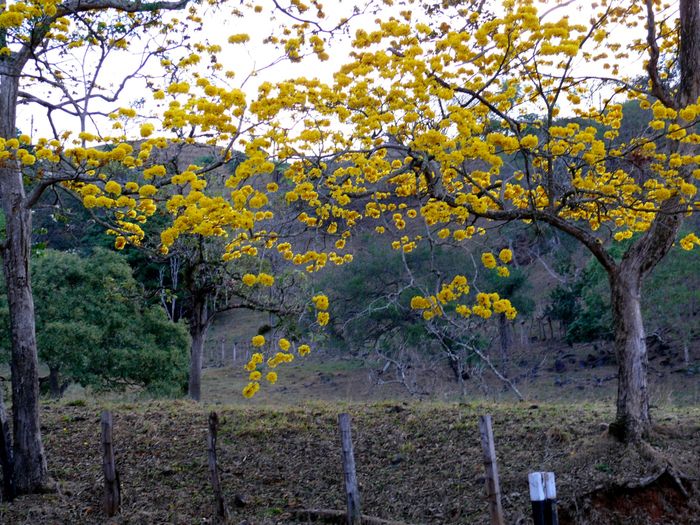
(550, 497)
(537, 496)
(543, 495)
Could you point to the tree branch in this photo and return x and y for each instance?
(657, 88)
(78, 6)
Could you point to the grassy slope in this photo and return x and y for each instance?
(419, 462)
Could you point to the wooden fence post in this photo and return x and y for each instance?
(351, 490)
(112, 494)
(221, 510)
(493, 489)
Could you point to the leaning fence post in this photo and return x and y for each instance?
(221, 511)
(493, 489)
(112, 494)
(351, 490)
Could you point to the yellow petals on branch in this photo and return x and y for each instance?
(258, 341)
(238, 38)
(529, 141)
(488, 260)
(113, 187)
(249, 280)
(689, 241)
(265, 279)
(323, 318)
(505, 255)
(320, 301)
(251, 389)
(119, 242)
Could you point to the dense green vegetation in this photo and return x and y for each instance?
(96, 328)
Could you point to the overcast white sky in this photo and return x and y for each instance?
(252, 56)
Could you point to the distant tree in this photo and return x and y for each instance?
(581, 305)
(95, 328)
(516, 288)
(386, 304)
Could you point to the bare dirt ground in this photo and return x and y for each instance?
(417, 463)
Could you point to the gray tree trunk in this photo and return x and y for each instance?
(632, 420)
(30, 472)
(198, 330)
(55, 382)
(504, 341)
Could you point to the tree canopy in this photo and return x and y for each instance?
(94, 326)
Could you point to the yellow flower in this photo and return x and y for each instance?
(147, 129)
(505, 255)
(238, 38)
(323, 318)
(419, 302)
(28, 160)
(250, 389)
(113, 187)
(689, 241)
(119, 242)
(255, 376)
(258, 340)
(271, 377)
(320, 301)
(529, 141)
(303, 350)
(154, 171)
(249, 279)
(488, 260)
(266, 279)
(284, 344)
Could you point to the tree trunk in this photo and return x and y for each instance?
(504, 340)
(55, 382)
(8, 491)
(198, 329)
(30, 473)
(632, 421)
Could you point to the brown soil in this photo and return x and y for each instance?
(417, 463)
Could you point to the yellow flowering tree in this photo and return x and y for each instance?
(37, 40)
(468, 114)
(72, 64)
(204, 286)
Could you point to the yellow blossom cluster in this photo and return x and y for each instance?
(257, 360)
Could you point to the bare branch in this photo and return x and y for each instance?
(657, 88)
